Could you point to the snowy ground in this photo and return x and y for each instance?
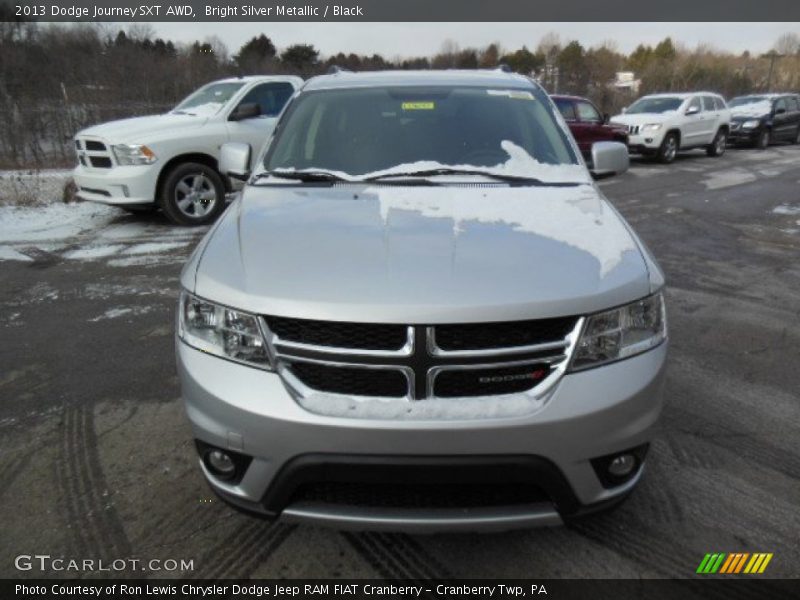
(46, 226)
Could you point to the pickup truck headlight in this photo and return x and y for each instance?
(750, 124)
(133, 154)
(221, 331)
(621, 332)
(651, 127)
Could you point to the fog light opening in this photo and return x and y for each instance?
(220, 464)
(616, 469)
(622, 465)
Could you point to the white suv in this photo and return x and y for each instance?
(170, 160)
(662, 124)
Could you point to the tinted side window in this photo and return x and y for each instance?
(587, 112)
(567, 108)
(792, 104)
(719, 103)
(780, 103)
(271, 97)
(708, 104)
(695, 103)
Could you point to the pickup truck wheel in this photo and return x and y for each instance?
(193, 194)
(668, 149)
(717, 147)
(763, 140)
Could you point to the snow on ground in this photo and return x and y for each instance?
(786, 209)
(41, 223)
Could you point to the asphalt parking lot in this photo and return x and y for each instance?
(97, 461)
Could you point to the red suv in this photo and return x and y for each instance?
(587, 124)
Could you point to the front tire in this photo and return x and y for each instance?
(763, 140)
(717, 147)
(668, 149)
(193, 194)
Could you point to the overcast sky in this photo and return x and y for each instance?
(423, 39)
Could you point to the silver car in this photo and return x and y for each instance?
(422, 314)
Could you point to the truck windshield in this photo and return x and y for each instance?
(654, 105)
(377, 131)
(209, 99)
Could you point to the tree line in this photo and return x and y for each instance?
(56, 79)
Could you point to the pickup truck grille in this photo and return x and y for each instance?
(418, 362)
(93, 153)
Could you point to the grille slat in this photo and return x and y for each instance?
(465, 383)
(352, 381)
(334, 334)
(485, 336)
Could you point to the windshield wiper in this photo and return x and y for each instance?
(304, 176)
(511, 179)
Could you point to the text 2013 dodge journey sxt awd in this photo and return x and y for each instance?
(422, 314)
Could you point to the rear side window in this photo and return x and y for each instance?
(589, 113)
(719, 103)
(780, 103)
(708, 104)
(271, 97)
(567, 108)
(795, 103)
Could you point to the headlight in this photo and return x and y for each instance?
(751, 124)
(133, 154)
(221, 331)
(622, 332)
(651, 127)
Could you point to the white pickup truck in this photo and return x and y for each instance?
(170, 160)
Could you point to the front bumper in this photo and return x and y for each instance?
(117, 185)
(645, 143)
(590, 414)
(739, 135)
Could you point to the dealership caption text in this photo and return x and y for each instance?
(221, 12)
(275, 590)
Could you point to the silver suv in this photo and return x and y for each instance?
(422, 314)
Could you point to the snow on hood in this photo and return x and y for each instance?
(142, 129)
(574, 217)
(519, 164)
(754, 109)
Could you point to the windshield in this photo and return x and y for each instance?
(659, 104)
(378, 131)
(208, 99)
(742, 100)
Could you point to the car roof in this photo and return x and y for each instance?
(481, 78)
(681, 95)
(251, 78)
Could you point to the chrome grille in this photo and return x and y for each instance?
(93, 153)
(427, 361)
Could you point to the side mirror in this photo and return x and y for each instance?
(692, 110)
(609, 158)
(624, 109)
(234, 160)
(780, 111)
(246, 110)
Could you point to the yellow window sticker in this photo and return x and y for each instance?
(419, 105)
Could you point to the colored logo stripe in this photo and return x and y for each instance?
(734, 563)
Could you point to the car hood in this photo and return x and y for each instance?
(420, 254)
(642, 118)
(142, 129)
